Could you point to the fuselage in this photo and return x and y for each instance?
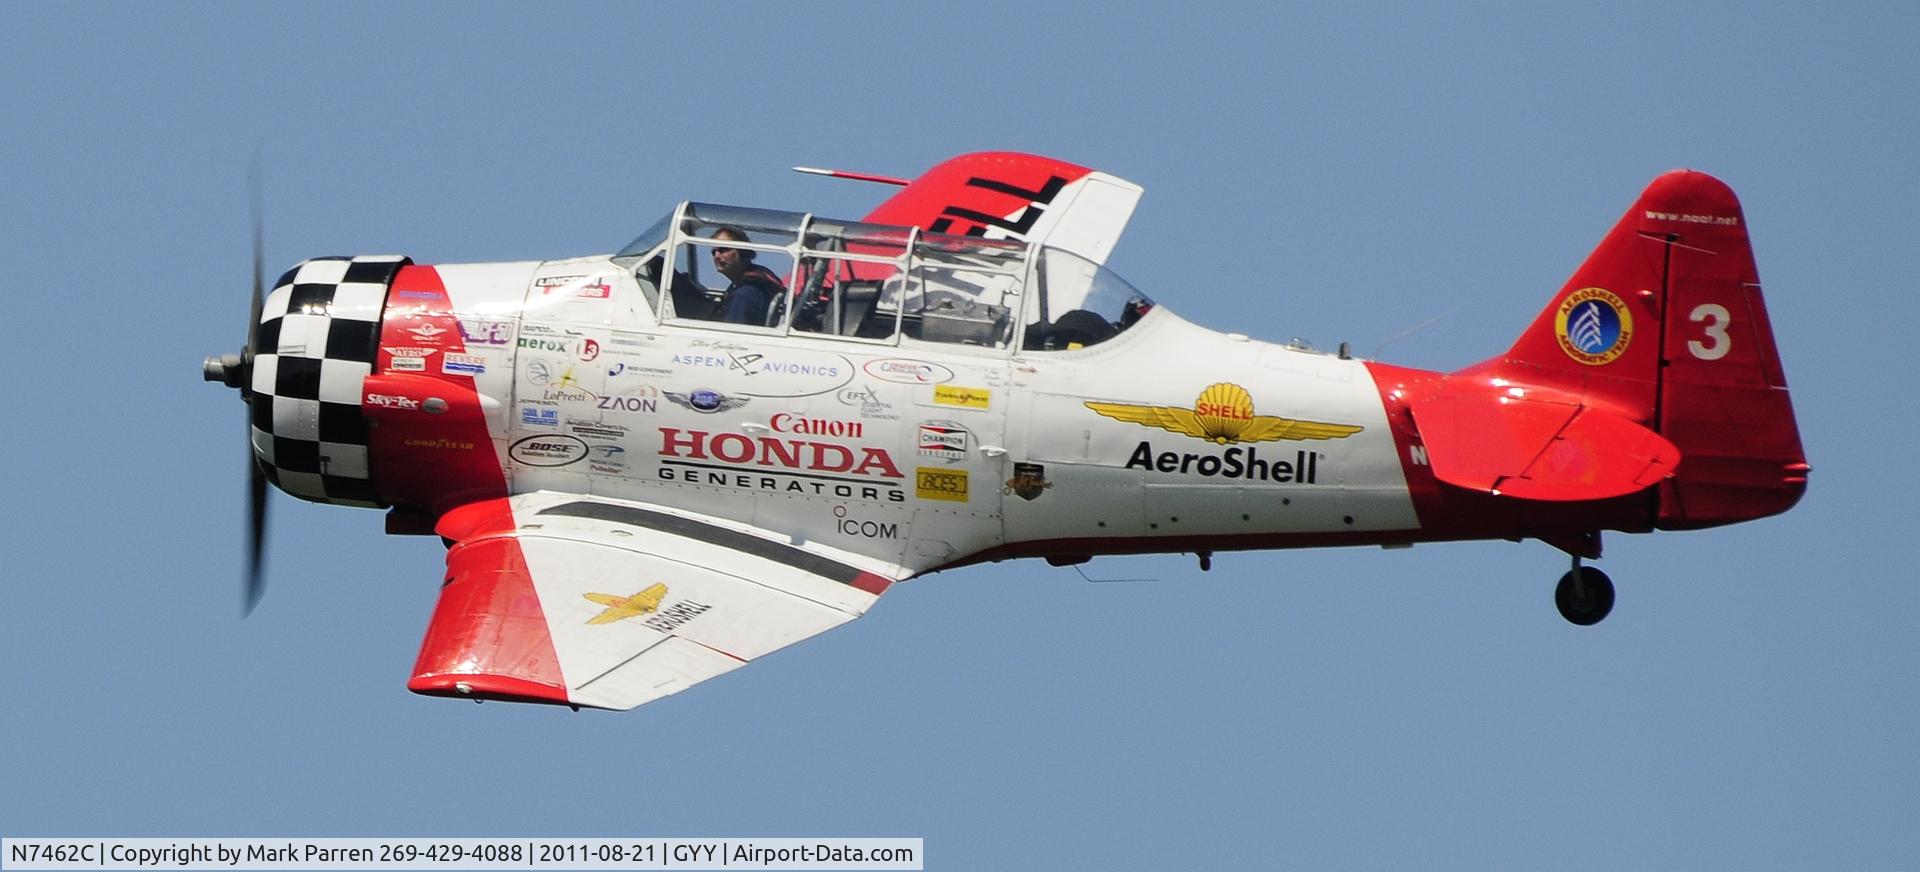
(918, 454)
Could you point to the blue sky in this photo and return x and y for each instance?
(1310, 172)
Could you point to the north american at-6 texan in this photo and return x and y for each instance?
(740, 430)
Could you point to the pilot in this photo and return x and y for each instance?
(750, 296)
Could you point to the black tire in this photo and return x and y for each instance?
(1586, 603)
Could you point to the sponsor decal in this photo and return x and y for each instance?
(486, 332)
(1593, 326)
(862, 527)
(770, 463)
(548, 283)
(790, 367)
(463, 364)
(627, 369)
(707, 402)
(965, 398)
(643, 405)
(1236, 462)
(595, 430)
(548, 450)
(769, 451)
(589, 349)
(908, 372)
(574, 394)
(936, 483)
(945, 440)
(1029, 481)
(428, 334)
(711, 361)
(393, 401)
(608, 460)
(445, 444)
(787, 423)
(411, 351)
(562, 387)
(1222, 414)
(420, 295)
(871, 406)
(620, 608)
(544, 343)
(408, 364)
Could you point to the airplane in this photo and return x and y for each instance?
(953, 379)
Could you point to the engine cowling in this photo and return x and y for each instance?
(318, 338)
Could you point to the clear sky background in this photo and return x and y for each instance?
(1311, 171)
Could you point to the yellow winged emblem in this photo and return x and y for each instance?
(1223, 413)
(620, 608)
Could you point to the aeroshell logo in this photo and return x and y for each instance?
(1593, 326)
(548, 450)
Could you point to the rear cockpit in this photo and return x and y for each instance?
(767, 271)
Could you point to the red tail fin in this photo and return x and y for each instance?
(1665, 324)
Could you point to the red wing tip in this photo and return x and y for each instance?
(489, 687)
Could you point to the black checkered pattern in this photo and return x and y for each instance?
(319, 331)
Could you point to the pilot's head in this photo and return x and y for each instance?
(732, 262)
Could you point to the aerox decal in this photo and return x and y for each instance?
(1223, 414)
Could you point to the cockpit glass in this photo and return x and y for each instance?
(1079, 303)
(649, 240)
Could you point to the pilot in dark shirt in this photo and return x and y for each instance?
(753, 288)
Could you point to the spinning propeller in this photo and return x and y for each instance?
(236, 371)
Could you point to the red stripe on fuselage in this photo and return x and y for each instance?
(439, 456)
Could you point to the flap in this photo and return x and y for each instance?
(1539, 449)
(587, 601)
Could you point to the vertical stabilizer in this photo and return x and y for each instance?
(1664, 323)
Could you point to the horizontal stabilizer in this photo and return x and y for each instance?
(1539, 449)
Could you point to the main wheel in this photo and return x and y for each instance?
(1586, 600)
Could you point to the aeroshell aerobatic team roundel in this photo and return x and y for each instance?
(1594, 326)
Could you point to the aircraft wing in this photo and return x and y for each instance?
(1003, 194)
(588, 601)
(1540, 449)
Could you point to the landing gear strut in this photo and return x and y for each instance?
(1584, 595)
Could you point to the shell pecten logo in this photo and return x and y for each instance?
(1223, 414)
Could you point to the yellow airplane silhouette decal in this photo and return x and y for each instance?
(620, 608)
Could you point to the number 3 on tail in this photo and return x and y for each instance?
(1713, 319)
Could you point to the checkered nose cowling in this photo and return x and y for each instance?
(319, 332)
